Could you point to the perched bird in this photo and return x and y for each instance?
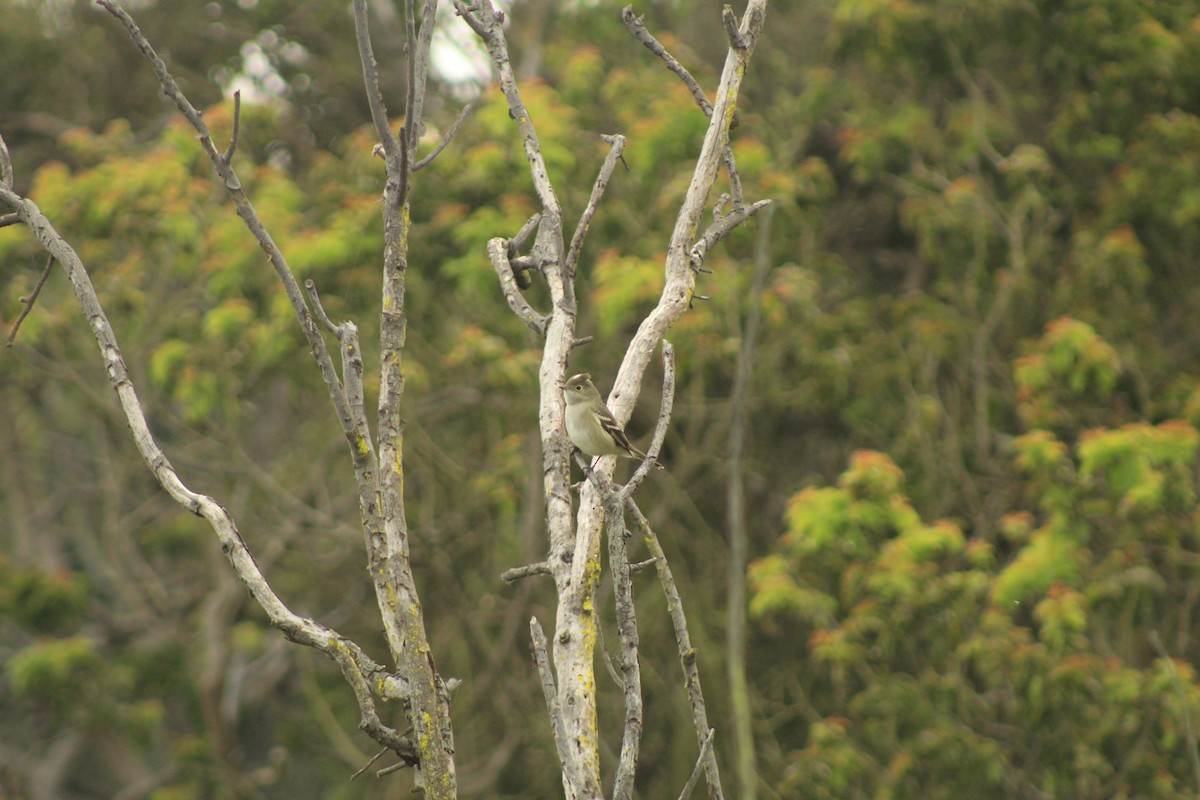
(590, 425)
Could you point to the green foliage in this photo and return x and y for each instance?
(42, 602)
(53, 669)
(951, 671)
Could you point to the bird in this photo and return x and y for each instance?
(590, 425)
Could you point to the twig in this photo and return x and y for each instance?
(29, 301)
(418, 72)
(722, 226)
(462, 116)
(367, 765)
(245, 210)
(607, 658)
(379, 115)
(8, 219)
(1193, 751)
(660, 430)
(541, 659)
(705, 749)
(498, 254)
(237, 124)
(616, 147)
(627, 634)
(528, 571)
(582, 341)
(680, 282)
(736, 40)
(517, 242)
(637, 27)
(687, 653)
(310, 287)
(6, 167)
(641, 566)
(393, 768)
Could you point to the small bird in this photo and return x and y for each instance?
(590, 425)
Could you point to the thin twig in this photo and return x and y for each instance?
(687, 653)
(680, 283)
(498, 254)
(517, 242)
(29, 301)
(379, 115)
(462, 116)
(722, 226)
(310, 287)
(660, 429)
(8, 219)
(393, 768)
(367, 765)
(528, 571)
(654, 46)
(705, 749)
(607, 658)
(616, 146)
(237, 124)
(637, 27)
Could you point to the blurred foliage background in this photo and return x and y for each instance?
(972, 446)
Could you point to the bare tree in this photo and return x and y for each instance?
(574, 559)
(567, 675)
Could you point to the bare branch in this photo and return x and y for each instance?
(722, 226)
(616, 148)
(6, 167)
(498, 253)
(607, 658)
(418, 71)
(627, 655)
(705, 749)
(687, 653)
(29, 301)
(637, 27)
(246, 211)
(359, 670)
(518, 241)
(680, 276)
(237, 124)
(640, 566)
(736, 40)
(379, 115)
(8, 219)
(367, 765)
(310, 286)
(462, 116)
(664, 421)
(541, 659)
(517, 573)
